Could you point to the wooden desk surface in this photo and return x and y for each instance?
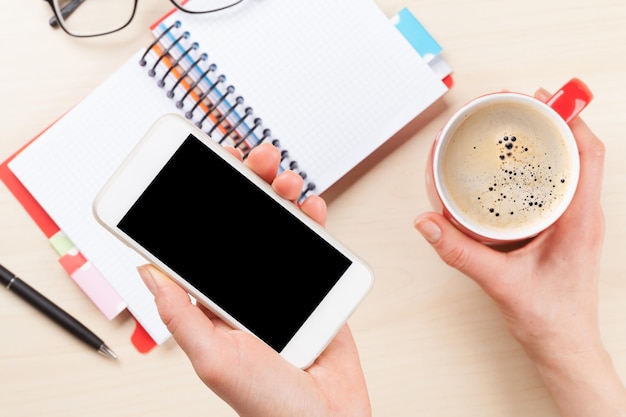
(431, 343)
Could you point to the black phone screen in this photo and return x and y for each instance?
(234, 243)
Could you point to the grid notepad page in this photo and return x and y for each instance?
(65, 168)
(332, 80)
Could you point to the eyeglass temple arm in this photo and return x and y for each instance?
(66, 10)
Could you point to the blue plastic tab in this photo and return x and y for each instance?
(416, 34)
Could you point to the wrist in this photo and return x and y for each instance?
(583, 383)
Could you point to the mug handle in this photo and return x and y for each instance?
(569, 101)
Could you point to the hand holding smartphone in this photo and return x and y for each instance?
(216, 228)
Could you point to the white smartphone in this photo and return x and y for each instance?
(250, 256)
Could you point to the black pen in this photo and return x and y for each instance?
(54, 312)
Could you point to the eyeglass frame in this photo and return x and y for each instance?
(68, 9)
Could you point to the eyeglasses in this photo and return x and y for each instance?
(87, 18)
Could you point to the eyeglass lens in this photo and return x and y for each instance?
(98, 17)
(94, 17)
(204, 6)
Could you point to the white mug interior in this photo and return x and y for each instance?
(457, 214)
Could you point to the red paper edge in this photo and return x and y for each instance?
(32, 207)
(155, 24)
(142, 341)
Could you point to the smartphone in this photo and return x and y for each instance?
(253, 258)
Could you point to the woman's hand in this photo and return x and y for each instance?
(245, 372)
(547, 290)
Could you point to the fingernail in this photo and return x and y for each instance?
(429, 230)
(147, 279)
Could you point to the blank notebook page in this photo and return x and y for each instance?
(332, 79)
(65, 168)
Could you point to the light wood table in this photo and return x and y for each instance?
(431, 342)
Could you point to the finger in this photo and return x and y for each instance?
(288, 185)
(235, 152)
(592, 153)
(315, 207)
(476, 260)
(217, 321)
(341, 357)
(182, 318)
(190, 327)
(542, 94)
(228, 362)
(264, 160)
(584, 219)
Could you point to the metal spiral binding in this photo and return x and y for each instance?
(143, 61)
(257, 122)
(170, 92)
(189, 113)
(175, 64)
(194, 77)
(229, 90)
(238, 102)
(180, 103)
(152, 71)
(247, 113)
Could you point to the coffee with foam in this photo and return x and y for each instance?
(506, 167)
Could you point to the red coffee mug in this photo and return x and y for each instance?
(533, 216)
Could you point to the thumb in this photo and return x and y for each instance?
(474, 259)
(182, 318)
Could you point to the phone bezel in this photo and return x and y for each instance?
(147, 159)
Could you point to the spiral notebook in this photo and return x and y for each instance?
(247, 75)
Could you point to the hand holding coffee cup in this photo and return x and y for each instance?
(505, 166)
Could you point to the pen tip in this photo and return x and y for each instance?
(106, 351)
